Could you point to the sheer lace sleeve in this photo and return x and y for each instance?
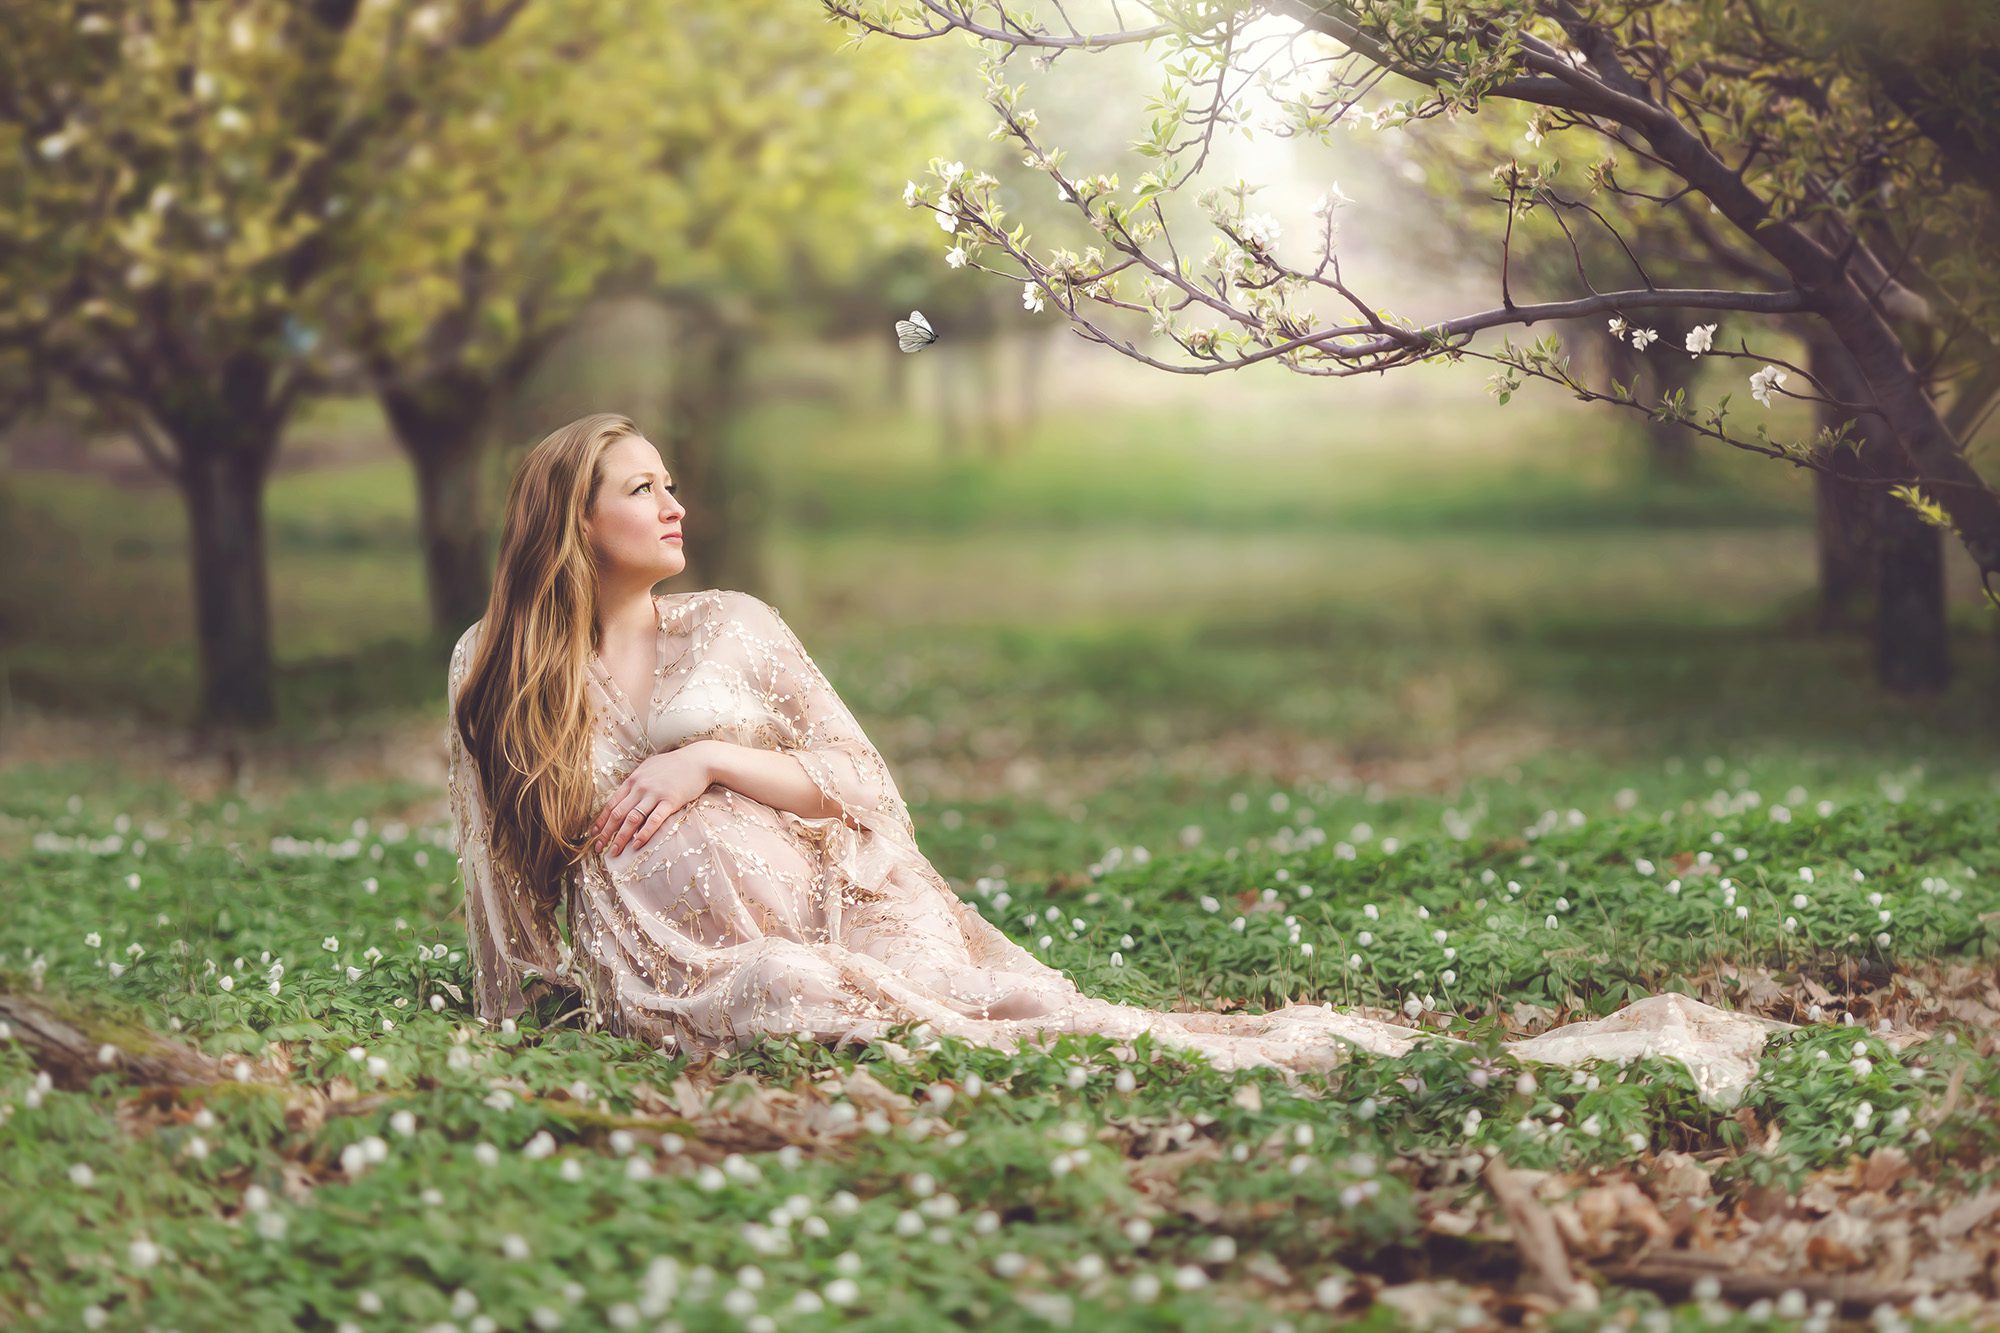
(815, 726)
(508, 943)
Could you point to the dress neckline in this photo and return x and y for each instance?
(611, 684)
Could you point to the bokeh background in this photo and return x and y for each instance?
(1040, 571)
(1213, 691)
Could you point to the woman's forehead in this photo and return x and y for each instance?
(633, 453)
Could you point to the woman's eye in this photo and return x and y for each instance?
(642, 486)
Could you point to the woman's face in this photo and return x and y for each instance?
(635, 523)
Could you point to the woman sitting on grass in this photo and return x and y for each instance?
(673, 776)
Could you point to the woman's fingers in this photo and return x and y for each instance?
(600, 829)
(607, 823)
(627, 827)
(651, 826)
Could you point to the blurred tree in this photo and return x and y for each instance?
(175, 180)
(1883, 555)
(1842, 150)
(1448, 200)
(712, 155)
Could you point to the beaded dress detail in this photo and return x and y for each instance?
(738, 919)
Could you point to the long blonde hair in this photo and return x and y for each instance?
(523, 710)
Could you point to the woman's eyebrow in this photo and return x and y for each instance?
(642, 476)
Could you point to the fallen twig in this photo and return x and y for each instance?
(1536, 1237)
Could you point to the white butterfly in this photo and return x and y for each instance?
(915, 333)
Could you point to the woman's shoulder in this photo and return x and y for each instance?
(717, 602)
(468, 643)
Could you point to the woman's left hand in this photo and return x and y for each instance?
(660, 785)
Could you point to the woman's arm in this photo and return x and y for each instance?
(777, 779)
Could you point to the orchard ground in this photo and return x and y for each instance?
(1204, 709)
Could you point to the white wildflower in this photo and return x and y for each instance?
(1700, 339)
(1761, 383)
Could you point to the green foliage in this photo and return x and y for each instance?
(632, 145)
(508, 1172)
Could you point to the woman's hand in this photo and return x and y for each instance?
(660, 785)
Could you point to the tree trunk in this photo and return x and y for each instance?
(725, 504)
(442, 432)
(223, 487)
(1929, 447)
(1912, 643)
(452, 527)
(1841, 530)
(1843, 510)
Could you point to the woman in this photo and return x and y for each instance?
(675, 774)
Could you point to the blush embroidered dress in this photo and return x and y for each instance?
(738, 919)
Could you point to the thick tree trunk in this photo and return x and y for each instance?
(442, 432)
(452, 527)
(1844, 509)
(1845, 563)
(1929, 448)
(223, 487)
(1912, 642)
(726, 505)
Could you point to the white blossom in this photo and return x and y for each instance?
(1700, 338)
(1761, 384)
(1617, 326)
(1260, 230)
(1642, 337)
(955, 257)
(1031, 297)
(1332, 199)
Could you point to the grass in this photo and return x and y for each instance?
(411, 1175)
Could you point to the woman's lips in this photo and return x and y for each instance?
(671, 537)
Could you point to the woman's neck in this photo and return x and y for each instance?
(626, 616)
